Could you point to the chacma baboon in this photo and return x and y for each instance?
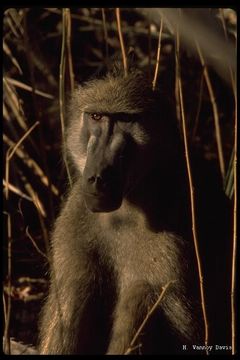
(124, 231)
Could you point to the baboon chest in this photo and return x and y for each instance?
(138, 254)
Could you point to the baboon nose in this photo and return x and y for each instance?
(101, 181)
(98, 181)
(92, 179)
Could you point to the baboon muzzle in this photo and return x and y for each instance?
(102, 188)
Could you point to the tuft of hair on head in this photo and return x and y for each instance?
(113, 92)
(116, 67)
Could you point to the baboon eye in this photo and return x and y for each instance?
(96, 116)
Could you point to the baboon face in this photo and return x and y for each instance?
(110, 130)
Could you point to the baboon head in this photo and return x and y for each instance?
(114, 136)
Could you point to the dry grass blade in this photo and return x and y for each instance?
(31, 164)
(229, 178)
(193, 212)
(35, 244)
(6, 114)
(105, 34)
(26, 87)
(149, 314)
(158, 56)
(215, 112)
(198, 107)
(8, 52)
(234, 251)
(14, 21)
(36, 200)
(231, 185)
(62, 71)
(39, 206)
(7, 346)
(17, 19)
(12, 100)
(4, 308)
(16, 190)
(68, 48)
(125, 64)
(11, 153)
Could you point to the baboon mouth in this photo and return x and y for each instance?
(102, 202)
(96, 195)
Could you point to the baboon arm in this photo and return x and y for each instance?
(66, 321)
(68, 315)
(130, 312)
